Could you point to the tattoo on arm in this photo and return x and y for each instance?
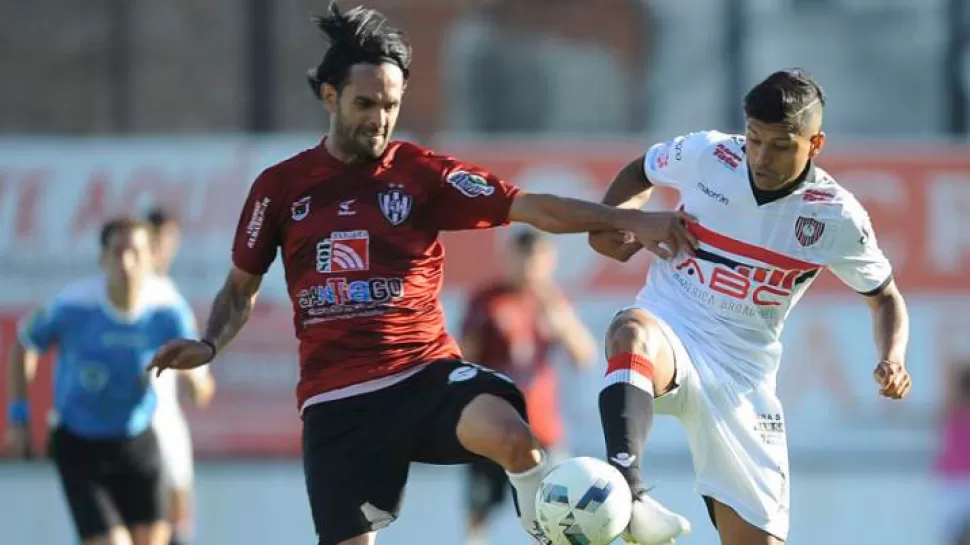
(231, 309)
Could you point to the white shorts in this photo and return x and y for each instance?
(175, 443)
(736, 435)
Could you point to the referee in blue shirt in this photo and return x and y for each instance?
(106, 329)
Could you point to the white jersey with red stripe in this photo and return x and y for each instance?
(759, 252)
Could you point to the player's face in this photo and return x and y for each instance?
(165, 246)
(128, 255)
(776, 155)
(365, 111)
(533, 266)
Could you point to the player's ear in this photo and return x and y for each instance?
(818, 142)
(330, 97)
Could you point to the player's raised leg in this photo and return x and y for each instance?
(734, 530)
(490, 426)
(640, 366)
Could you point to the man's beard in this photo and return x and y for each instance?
(352, 147)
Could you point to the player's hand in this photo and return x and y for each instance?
(663, 233)
(18, 441)
(893, 379)
(181, 354)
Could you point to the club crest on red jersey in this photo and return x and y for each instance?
(808, 230)
(395, 205)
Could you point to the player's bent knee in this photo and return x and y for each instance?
(636, 332)
(633, 331)
(490, 426)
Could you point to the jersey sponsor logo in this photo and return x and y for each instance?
(761, 286)
(719, 197)
(727, 157)
(470, 185)
(300, 209)
(344, 251)
(808, 230)
(339, 295)
(817, 195)
(256, 221)
(395, 205)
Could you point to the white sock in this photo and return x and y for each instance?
(526, 485)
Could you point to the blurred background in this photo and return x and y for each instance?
(111, 106)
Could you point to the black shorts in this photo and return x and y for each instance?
(109, 483)
(357, 451)
(487, 487)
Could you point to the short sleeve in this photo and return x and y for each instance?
(258, 231)
(673, 162)
(465, 196)
(858, 261)
(41, 329)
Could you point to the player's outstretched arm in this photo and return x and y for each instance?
(891, 327)
(664, 233)
(230, 311)
(630, 188)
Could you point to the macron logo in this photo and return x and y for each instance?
(624, 459)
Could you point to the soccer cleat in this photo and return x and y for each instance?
(653, 524)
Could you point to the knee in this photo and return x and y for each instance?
(491, 427)
(516, 448)
(630, 333)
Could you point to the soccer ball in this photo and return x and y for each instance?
(583, 501)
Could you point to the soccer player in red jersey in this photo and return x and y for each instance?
(356, 220)
(513, 325)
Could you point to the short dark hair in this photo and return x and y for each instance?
(360, 35)
(790, 97)
(116, 225)
(159, 217)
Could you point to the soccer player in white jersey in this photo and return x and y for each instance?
(169, 422)
(702, 340)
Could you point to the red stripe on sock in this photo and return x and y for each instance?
(629, 361)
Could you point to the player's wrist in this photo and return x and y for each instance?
(625, 219)
(18, 412)
(212, 348)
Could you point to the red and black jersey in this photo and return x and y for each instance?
(364, 266)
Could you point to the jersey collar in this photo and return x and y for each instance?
(762, 196)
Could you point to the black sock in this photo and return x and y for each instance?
(626, 413)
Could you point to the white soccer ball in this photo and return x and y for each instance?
(583, 501)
